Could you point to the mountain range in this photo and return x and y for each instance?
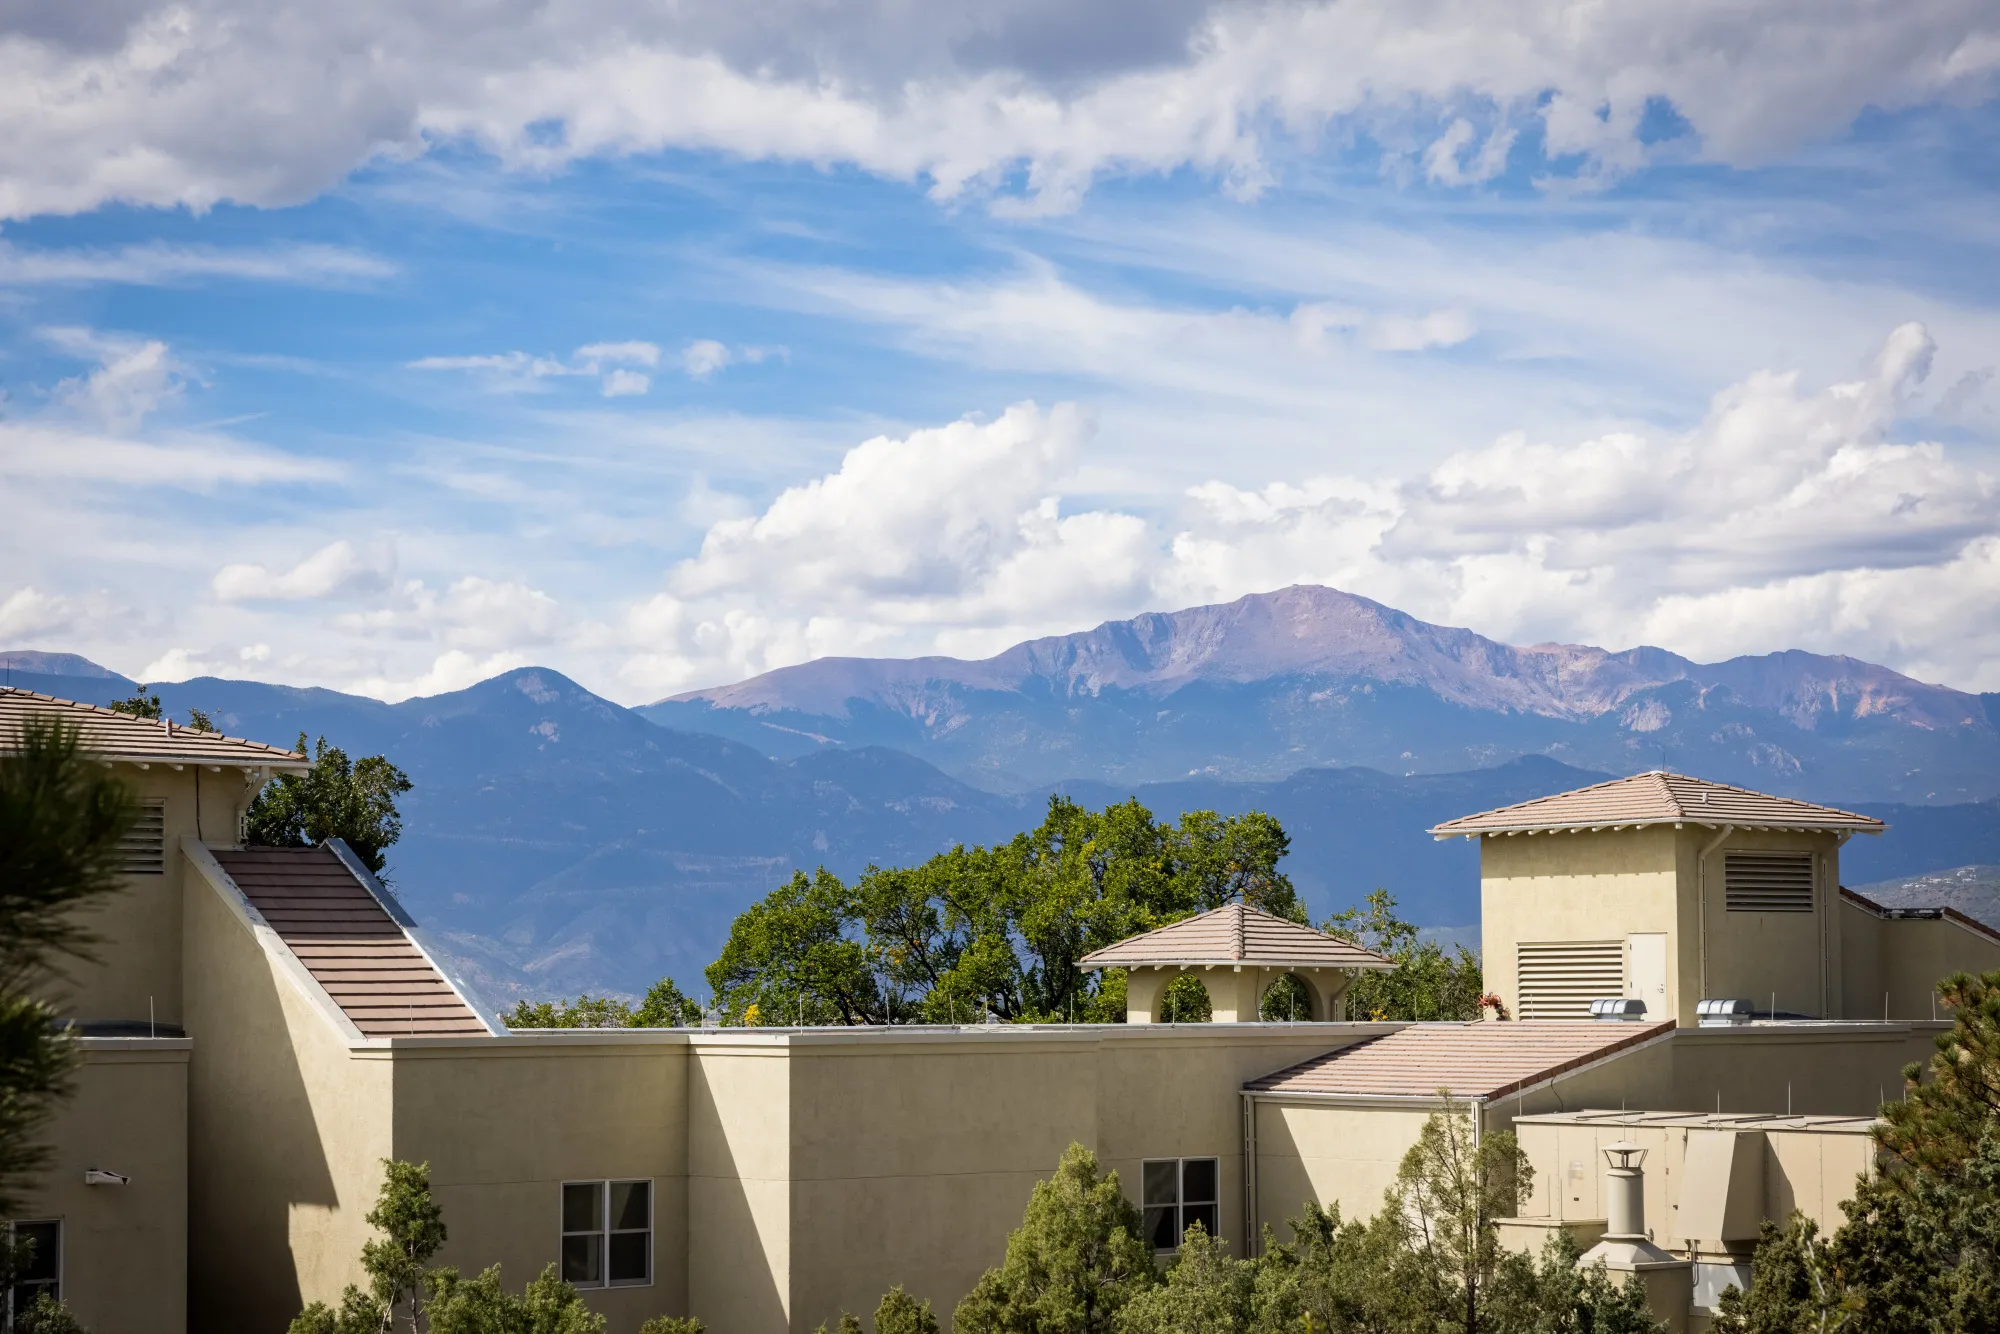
(556, 841)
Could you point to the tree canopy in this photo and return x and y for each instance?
(994, 930)
(1426, 983)
(353, 800)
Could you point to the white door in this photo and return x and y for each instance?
(1646, 972)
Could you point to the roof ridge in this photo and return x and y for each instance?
(165, 725)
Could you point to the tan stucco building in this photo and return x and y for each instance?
(265, 1026)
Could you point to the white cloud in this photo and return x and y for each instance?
(1786, 518)
(337, 569)
(177, 664)
(155, 265)
(619, 383)
(27, 613)
(962, 95)
(133, 380)
(704, 357)
(515, 371)
(449, 671)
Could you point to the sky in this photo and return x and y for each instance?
(386, 347)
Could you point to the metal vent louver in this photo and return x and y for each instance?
(143, 850)
(1558, 979)
(1768, 881)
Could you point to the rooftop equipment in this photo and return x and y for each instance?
(1619, 1010)
(1716, 1013)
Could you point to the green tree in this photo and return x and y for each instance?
(1078, 1258)
(900, 1313)
(1206, 1292)
(412, 1227)
(849, 1323)
(1559, 1296)
(140, 704)
(790, 956)
(200, 721)
(673, 1324)
(1450, 1187)
(482, 1305)
(1425, 984)
(61, 818)
(994, 930)
(663, 1006)
(354, 800)
(586, 1011)
(47, 1316)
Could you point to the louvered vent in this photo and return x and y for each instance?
(1560, 978)
(144, 849)
(1768, 881)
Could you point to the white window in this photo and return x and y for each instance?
(144, 847)
(1768, 881)
(1179, 1192)
(607, 1233)
(42, 1270)
(1558, 979)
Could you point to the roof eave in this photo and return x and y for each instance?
(279, 764)
(1088, 963)
(1441, 832)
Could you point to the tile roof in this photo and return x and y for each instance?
(120, 736)
(349, 942)
(1658, 798)
(1485, 1059)
(1232, 934)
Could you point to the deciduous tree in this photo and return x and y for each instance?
(353, 800)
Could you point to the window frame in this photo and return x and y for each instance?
(604, 1232)
(53, 1286)
(1181, 1203)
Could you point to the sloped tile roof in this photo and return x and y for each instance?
(348, 941)
(1658, 798)
(1474, 1060)
(1235, 934)
(120, 736)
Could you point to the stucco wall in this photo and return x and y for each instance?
(739, 1225)
(138, 959)
(504, 1122)
(1561, 887)
(125, 1248)
(1894, 965)
(285, 1132)
(1832, 1069)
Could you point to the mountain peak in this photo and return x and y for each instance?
(55, 664)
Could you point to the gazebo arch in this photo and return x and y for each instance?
(1236, 952)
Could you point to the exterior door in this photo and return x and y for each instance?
(1646, 972)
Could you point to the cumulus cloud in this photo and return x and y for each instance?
(335, 570)
(1788, 517)
(145, 105)
(27, 613)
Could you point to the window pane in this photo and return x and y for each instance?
(1163, 1227)
(1163, 1182)
(1203, 1214)
(628, 1205)
(583, 1206)
(46, 1261)
(631, 1257)
(1198, 1180)
(583, 1258)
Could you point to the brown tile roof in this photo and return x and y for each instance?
(349, 942)
(1235, 933)
(1476, 1060)
(120, 736)
(1658, 798)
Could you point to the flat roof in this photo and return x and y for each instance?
(1823, 1124)
(1655, 798)
(1235, 934)
(111, 735)
(1477, 1059)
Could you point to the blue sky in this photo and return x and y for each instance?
(375, 352)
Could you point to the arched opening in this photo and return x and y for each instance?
(1287, 1000)
(1186, 1001)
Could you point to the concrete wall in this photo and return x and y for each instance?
(504, 1122)
(125, 1248)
